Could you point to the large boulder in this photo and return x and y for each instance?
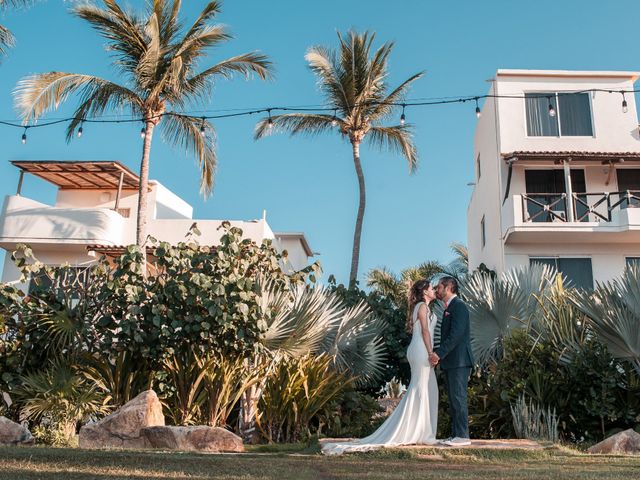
(12, 433)
(197, 438)
(627, 442)
(122, 428)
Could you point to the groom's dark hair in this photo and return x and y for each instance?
(450, 282)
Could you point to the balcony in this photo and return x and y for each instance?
(591, 217)
(27, 221)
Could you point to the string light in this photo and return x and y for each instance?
(24, 136)
(334, 120)
(202, 127)
(230, 113)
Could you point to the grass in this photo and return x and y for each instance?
(292, 462)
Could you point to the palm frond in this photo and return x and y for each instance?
(384, 282)
(397, 138)
(185, 131)
(7, 40)
(330, 77)
(294, 123)
(613, 310)
(39, 93)
(389, 103)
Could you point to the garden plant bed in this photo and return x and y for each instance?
(301, 462)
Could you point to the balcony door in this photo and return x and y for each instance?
(545, 187)
(629, 179)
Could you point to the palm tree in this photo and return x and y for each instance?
(159, 62)
(7, 39)
(354, 83)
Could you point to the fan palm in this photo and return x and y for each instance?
(499, 305)
(7, 39)
(159, 63)
(354, 82)
(614, 313)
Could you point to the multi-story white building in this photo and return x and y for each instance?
(95, 213)
(557, 174)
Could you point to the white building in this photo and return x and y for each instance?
(95, 213)
(557, 174)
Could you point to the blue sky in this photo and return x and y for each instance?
(309, 184)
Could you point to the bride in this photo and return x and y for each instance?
(415, 419)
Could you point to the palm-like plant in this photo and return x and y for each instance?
(7, 40)
(614, 313)
(159, 63)
(499, 305)
(354, 82)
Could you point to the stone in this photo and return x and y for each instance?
(12, 433)
(627, 442)
(193, 438)
(122, 428)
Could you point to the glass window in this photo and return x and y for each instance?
(539, 122)
(578, 271)
(575, 115)
(572, 118)
(633, 262)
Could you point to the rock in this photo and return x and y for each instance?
(197, 438)
(624, 442)
(122, 428)
(12, 433)
(388, 405)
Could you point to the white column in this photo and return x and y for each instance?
(569, 189)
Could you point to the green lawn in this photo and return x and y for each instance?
(293, 463)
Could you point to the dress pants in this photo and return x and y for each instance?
(456, 384)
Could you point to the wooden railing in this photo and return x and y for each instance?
(586, 207)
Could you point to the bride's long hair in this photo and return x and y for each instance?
(415, 296)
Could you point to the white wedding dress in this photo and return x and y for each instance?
(415, 419)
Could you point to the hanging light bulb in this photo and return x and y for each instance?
(552, 111)
(24, 136)
(334, 120)
(203, 129)
(143, 132)
(403, 118)
(270, 121)
(80, 130)
(625, 108)
(478, 111)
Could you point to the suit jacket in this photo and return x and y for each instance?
(455, 337)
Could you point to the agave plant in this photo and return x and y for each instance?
(499, 305)
(613, 310)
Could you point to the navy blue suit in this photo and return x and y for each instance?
(456, 360)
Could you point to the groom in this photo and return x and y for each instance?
(455, 358)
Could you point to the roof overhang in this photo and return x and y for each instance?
(81, 175)
(574, 156)
(300, 236)
(633, 76)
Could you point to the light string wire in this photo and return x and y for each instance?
(268, 110)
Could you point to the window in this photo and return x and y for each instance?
(578, 271)
(478, 166)
(483, 235)
(633, 262)
(572, 119)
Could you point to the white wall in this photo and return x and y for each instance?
(486, 197)
(614, 131)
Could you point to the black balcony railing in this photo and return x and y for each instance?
(586, 207)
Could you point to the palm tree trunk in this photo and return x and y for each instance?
(141, 226)
(355, 254)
